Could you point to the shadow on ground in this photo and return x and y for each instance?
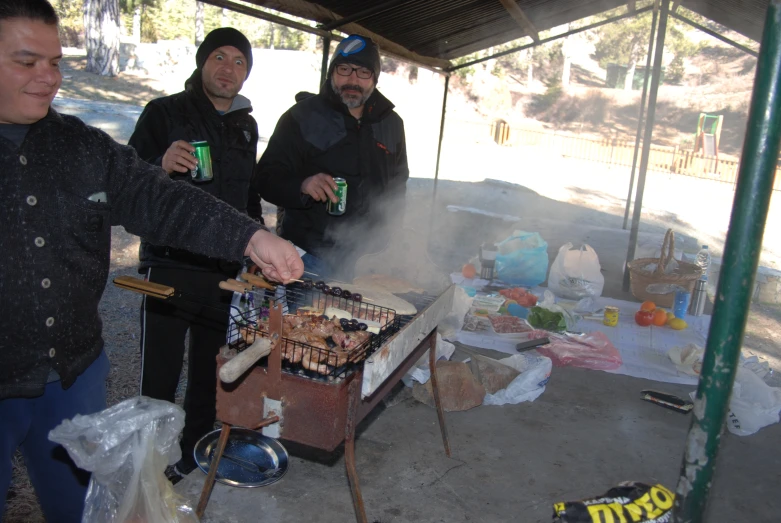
(123, 88)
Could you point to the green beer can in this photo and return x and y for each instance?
(338, 208)
(203, 171)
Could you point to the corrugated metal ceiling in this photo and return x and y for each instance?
(448, 29)
(747, 17)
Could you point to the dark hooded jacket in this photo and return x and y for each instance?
(319, 135)
(233, 138)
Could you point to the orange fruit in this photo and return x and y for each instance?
(468, 271)
(648, 306)
(660, 317)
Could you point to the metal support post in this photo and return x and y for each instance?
(432, 209)
(641, 115)
(441, 130)
(741, 256)
(649, 127)
(324, 63)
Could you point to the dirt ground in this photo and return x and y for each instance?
(120, 309)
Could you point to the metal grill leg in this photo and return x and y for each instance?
(354, 394)
(432, 361)
(209, 483)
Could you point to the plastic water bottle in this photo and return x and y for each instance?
(703, 260)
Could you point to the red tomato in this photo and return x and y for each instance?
(644, 318)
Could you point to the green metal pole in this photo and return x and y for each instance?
(741, 255)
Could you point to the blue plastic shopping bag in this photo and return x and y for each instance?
(522, 259)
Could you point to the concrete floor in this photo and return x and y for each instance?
(586, 433)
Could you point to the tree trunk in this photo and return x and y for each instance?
(101, 36)
(530, 69)
(198, 23)
(137, 24)
(630, 70)
(271, 35)
(566, 51)
(224, 18)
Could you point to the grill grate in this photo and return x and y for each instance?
(313, 356)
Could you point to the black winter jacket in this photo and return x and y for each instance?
(60, 193)
(318, 134)
(233, 140)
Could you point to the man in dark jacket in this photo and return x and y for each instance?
(63, 186)
(209, 109)
(349, 130)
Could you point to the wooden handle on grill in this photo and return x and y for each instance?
(235, 286)
(237, 366)
(258, 281)
(140, 286)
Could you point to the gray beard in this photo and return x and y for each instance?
(352, 102)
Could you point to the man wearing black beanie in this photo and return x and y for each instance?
(209, 109)
(348, 130)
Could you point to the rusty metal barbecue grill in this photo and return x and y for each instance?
(322, 413)
(320, 410)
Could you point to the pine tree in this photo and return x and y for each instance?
(101, 36)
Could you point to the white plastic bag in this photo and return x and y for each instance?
(451, 324)
(127, 447)
(753, 405)
(576, 274)
(528, 385)
(566, 309)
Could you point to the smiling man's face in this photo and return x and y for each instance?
(30, 77)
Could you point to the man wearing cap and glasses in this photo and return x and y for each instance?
(348, 130)
(210, 109)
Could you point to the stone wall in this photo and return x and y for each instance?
(162, 58)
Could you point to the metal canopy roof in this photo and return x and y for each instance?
(432, 32)
(452, 28)
(747, 17)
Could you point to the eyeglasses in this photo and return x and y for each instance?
(361, 72)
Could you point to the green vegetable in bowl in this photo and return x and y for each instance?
(541, 318)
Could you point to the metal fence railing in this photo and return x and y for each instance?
(619, 152)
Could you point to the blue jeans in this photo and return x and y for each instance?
(26, 422)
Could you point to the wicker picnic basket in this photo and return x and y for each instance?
(686, 275)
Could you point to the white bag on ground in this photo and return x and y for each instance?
(127, 447)
(576, 274)
(753, 405)
(528, 385)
